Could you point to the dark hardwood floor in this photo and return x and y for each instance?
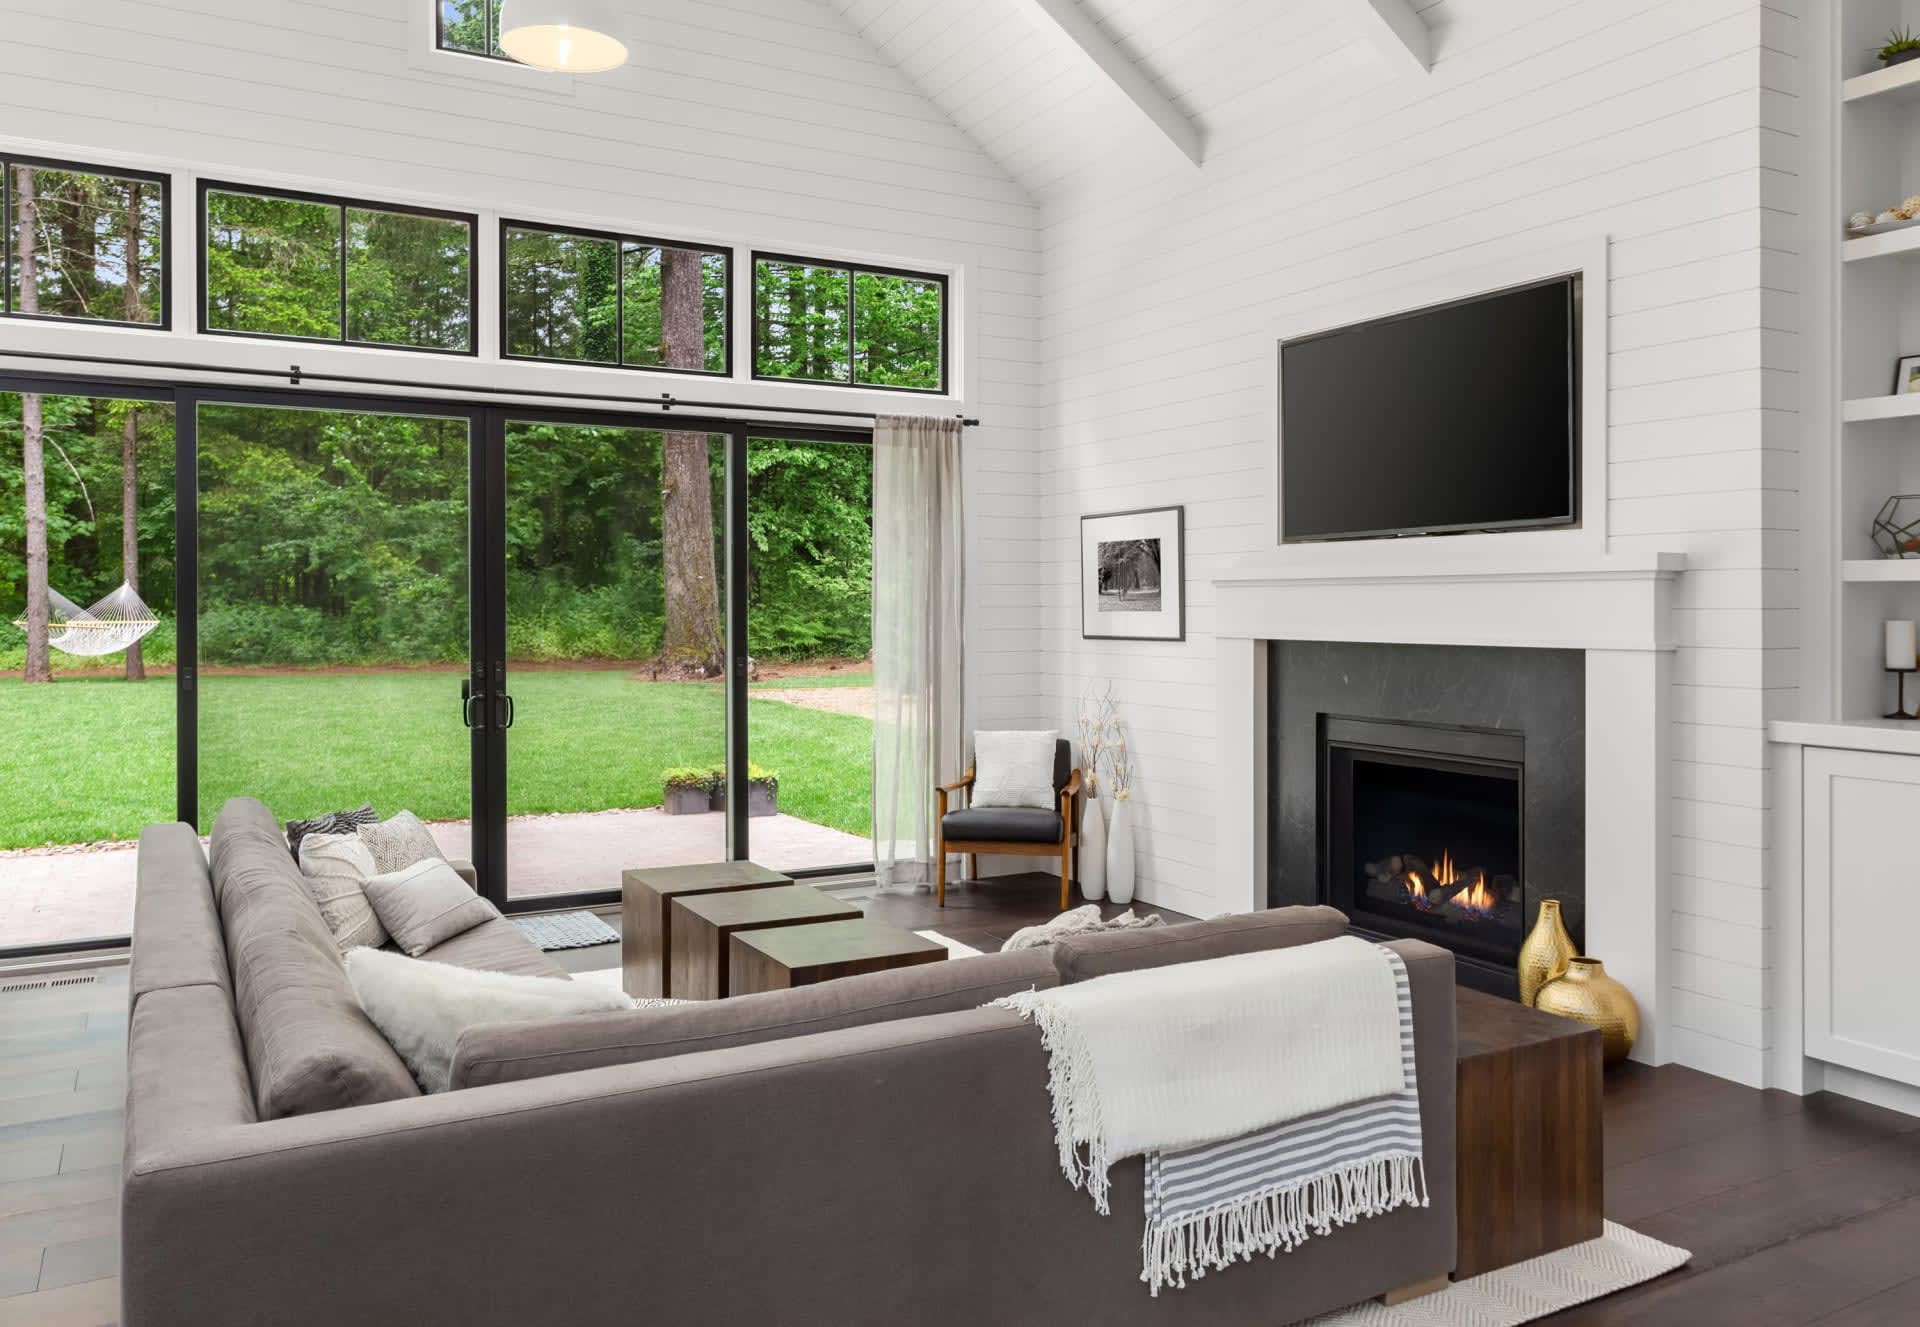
(1798, 1211)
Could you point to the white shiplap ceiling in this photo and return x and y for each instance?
(1034, 102)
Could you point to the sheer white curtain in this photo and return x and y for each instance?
(919, 591)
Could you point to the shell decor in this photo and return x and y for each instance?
(1859, 221)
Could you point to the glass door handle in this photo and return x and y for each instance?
(506, 711)
(471, 706)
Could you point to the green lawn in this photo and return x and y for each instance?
(92, 757)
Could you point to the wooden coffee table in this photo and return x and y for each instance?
(646, 913)
(788, 956)
(697, 956)
(1528, 1132)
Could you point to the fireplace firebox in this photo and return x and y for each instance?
(1422, 833)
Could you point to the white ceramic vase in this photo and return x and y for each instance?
(1093, 851)
(1120, 852)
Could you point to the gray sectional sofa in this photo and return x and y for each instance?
(876, 1150)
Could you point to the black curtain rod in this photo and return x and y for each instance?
(295, 376)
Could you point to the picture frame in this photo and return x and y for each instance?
(1906, 375)
(1133, 575)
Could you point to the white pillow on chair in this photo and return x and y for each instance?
(1015, 769)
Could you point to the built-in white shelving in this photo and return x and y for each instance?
(1892, 244)
(1900, 83)
(1880, 569)
(1866, 409)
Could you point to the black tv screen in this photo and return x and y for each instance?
(1462, 417)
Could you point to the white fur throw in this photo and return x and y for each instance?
(422, 1007)
(1174, 1057)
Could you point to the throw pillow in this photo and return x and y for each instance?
(335, 869)
(426, 903)
(334, 822)
(422, 1007)
(1014, 769)
(401, 840)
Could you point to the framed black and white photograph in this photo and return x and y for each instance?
(1133, 583)
(1906, 376)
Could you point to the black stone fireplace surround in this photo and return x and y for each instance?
(1431, 791)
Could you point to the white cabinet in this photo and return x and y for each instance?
(1861, 843)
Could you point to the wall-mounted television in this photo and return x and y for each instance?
(1460, 417)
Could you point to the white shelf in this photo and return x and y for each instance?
(1900, 736)
(1899, 83)
(1894, 242)
(1862, 409)
(1880, 569)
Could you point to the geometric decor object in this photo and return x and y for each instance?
(116, 623)
(1896, 530)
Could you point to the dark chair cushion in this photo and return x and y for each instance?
(1001, 824)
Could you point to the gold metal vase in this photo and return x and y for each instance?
(1588, 994)
(1546, 953)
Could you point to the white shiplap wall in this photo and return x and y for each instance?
(766, 122)
(1667, 126)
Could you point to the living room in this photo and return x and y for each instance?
(800, 595)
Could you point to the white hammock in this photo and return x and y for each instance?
(115, 623)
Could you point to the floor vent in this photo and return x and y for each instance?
(45, 983)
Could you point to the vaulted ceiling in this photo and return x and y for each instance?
(1058, 91)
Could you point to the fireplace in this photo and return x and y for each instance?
(1436, 792)
(1422, 833)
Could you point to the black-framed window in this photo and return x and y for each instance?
(468, 27)
(594, 297)
(311, 267)
(84, 243)
(848, 324)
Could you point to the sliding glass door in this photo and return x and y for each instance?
(86, 656)
(334, 612)
(616, 653)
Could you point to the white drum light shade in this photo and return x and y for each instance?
(566, 36)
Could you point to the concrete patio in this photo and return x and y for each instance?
(58, 896)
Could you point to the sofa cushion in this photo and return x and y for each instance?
(398, 842)
(504, 1053)
(174, 916)
(310, 1047)
(1001, 824)
(334, 822)
(495, 946)
(426, 904)
(335, 869)
(422, 1007)
(1081, 957)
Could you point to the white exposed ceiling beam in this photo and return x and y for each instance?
(1084, 40)
(1401, 34)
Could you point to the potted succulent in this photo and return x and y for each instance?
(690, 791)
(763, 791)
(1901, 46)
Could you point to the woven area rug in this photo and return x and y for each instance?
(567, 930)
(1524, 1292)
(955, 949)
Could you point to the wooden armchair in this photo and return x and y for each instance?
(1013, 831)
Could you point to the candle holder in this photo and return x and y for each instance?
(1900, 695)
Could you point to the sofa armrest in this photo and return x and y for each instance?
(467, 872)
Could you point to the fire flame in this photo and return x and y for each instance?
(1445, 873)
(1477, 898)
(1417, 892)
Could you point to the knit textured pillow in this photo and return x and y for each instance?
(335, 869)
(398, 842)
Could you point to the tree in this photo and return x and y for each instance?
(130, 441)
(33, 465)
(692, 641)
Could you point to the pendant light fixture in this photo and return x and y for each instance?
(565, 36)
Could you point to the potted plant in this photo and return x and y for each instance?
(763, 791)
(1902, 45)
(689, 791)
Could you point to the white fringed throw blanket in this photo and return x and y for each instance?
(1273, 1095)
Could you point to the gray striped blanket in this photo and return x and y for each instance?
(1268, 1191)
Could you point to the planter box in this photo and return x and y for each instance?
(762, 800)
(687, 802)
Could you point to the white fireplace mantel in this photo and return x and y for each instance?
(1615, 607)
